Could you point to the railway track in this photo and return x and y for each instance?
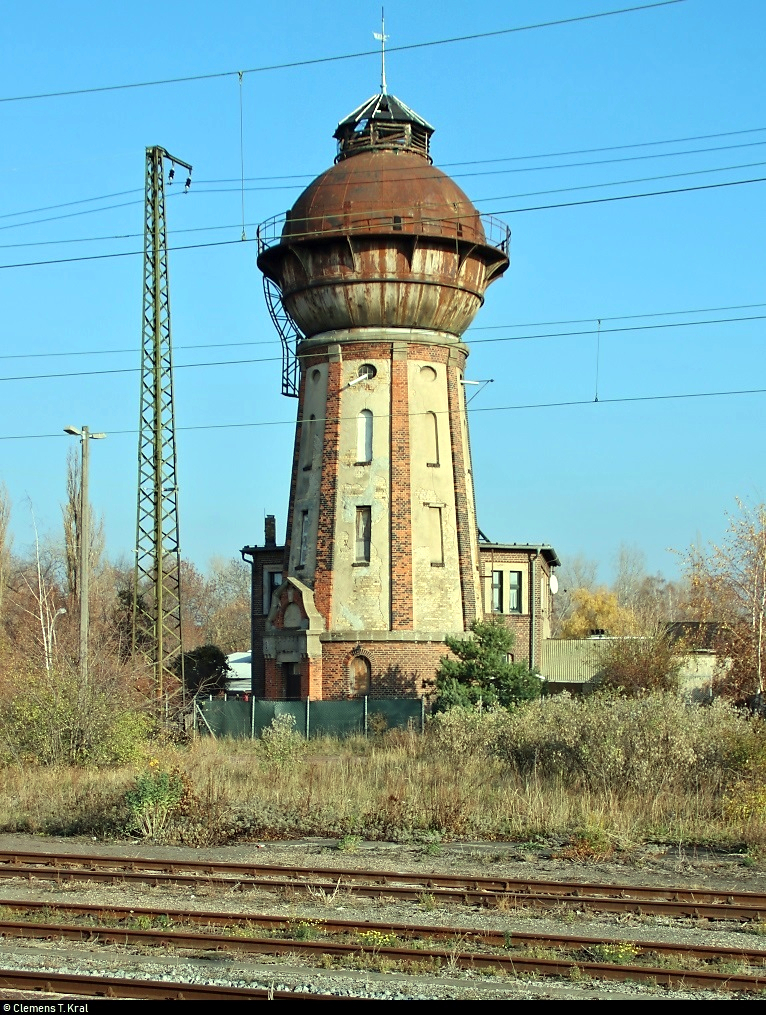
(387, 942)
(166, 918)
(595, 897)
(134, 989)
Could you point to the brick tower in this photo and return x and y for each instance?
(378, 269)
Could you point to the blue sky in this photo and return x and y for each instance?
(585, 477)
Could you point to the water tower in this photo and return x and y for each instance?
(372, 277)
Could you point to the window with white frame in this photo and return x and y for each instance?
(514, 592)
(436, 535)
(432, 439)
(308, 453)
(497, 591)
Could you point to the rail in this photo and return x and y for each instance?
(697, 903)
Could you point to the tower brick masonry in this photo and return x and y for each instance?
(381, 265)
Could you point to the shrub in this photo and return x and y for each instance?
(205, 670)
(629, 745)
(463, 732)
(153, 798)
(638, 665)
(52, 719)
(280, 745)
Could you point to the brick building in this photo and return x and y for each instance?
(516, 583)
(375, 273)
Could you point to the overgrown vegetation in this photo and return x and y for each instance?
(590, 776)
(50, 718)
(638, 665)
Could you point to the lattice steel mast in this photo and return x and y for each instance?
(157, 594)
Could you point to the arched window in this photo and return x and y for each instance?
(432, 439)
(364, 436)
(359, 676)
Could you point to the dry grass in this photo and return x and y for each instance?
(455, 782)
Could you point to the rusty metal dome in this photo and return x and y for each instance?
(383, 238)
(384, 192)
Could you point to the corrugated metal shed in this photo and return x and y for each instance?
(572, 662)
(578, 663)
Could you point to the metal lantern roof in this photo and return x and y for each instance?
(381, 107)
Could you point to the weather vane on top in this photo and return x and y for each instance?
(381, 37)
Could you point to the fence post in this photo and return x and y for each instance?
(365, 715)
(308, 709)
(252, 717)
(422, 715)
(202, 717)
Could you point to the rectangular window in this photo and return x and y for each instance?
(497, 591)
(436, 536)
(304, 538)
(363, 533)
(514, 592)
(272, 579)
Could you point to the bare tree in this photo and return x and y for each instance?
(228, 587)
(630, 575)
(36, 595)
(728, 584)
(5, 543)
(577, 573)
(70, 511)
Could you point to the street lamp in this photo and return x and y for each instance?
(85, 438)
(51, 635)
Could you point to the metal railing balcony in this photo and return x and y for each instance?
(471, 228)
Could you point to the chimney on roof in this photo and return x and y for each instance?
(271, 531)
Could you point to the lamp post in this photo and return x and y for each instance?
(51, 634)
(85, 438)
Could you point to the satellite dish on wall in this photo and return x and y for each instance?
(554, 584)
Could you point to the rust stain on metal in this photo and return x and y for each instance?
(420, 253)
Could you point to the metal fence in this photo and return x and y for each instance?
(355, 717)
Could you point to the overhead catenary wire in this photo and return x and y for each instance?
(443, 165)
(504, 197)
(488, 327)
(223, 345)
(500, 211)
(568, 403)
(200, 191)
(341, 57)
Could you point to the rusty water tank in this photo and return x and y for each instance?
(383, 238)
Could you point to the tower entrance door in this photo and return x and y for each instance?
(291, 681)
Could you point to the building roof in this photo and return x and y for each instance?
(383, 122)
(550, 555)
(697, 636)
(381, 107)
